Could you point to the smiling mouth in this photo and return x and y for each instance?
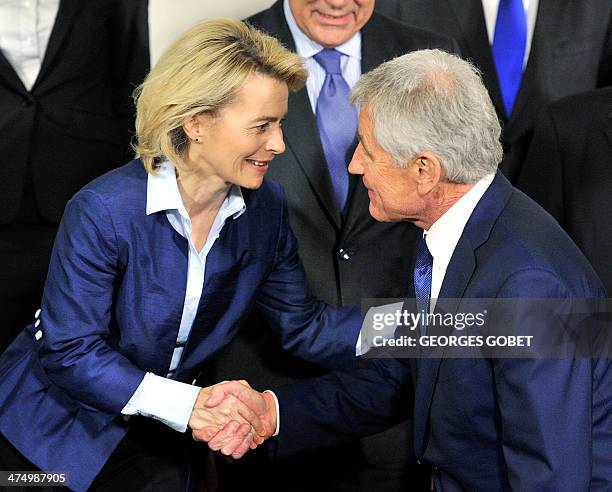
(333, 19)
(259, 164)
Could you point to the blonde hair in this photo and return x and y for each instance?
(201, 73)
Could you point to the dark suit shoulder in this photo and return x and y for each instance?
(583, 104)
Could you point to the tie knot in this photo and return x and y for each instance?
(330, 60)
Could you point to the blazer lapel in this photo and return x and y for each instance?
(470, 17)
(373, 53)
(456, 280)
(63, 23)
(302, 137)
(9, 77)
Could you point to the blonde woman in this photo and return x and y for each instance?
(155, 265)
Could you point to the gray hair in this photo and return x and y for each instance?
(430, 100)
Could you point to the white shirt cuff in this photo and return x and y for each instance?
(277, 412)
(163, 399)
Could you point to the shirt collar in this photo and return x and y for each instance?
(307, 48)
(163, 194)
(444, 234)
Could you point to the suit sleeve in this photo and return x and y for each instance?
(130, 62)
(543, 172)
(342, 406)
(77, 310)
(544, 404)
(306, 327)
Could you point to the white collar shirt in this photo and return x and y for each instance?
(25, 29)
(444, 234)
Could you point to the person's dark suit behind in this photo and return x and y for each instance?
(571, 52)
(568, 172)
(79, 110)
(347, 255)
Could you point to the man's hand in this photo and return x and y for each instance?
(230, 415)
(234, 438)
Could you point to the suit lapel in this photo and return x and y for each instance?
(63, 23)
(9, 77)
(302, 137)
(373, 53)
(456, 281)
(470, 17)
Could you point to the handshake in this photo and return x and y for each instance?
(233, 418)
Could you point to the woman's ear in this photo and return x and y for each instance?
(192, 127)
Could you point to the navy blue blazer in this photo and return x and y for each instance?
(483, 424)
(112, 308)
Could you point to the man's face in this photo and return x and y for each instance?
(392, 190)
(331, 22)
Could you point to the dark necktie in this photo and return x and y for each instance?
(337, 123)
(509, 49)
(422, 279)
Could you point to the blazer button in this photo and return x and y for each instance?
(345, 254)
(28, 100)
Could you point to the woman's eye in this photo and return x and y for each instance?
(262, 128)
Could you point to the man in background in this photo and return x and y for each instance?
(567, 171)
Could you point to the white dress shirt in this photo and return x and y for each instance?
(350, 61)
(490, 8)
(162, 398)
(444, 234)
(25, 28)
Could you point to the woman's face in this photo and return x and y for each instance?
(237, 145)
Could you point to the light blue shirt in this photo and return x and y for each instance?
(163, 398)
(350, 61)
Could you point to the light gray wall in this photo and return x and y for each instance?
(168, 19)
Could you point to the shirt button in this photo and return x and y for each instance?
(345, 254)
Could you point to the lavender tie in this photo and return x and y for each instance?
(337, 122)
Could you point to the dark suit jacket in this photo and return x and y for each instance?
(77, 121)
(112, 308)
(571, 52)
(487, 424)
(569, 172)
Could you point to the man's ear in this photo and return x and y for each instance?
(429, 171)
